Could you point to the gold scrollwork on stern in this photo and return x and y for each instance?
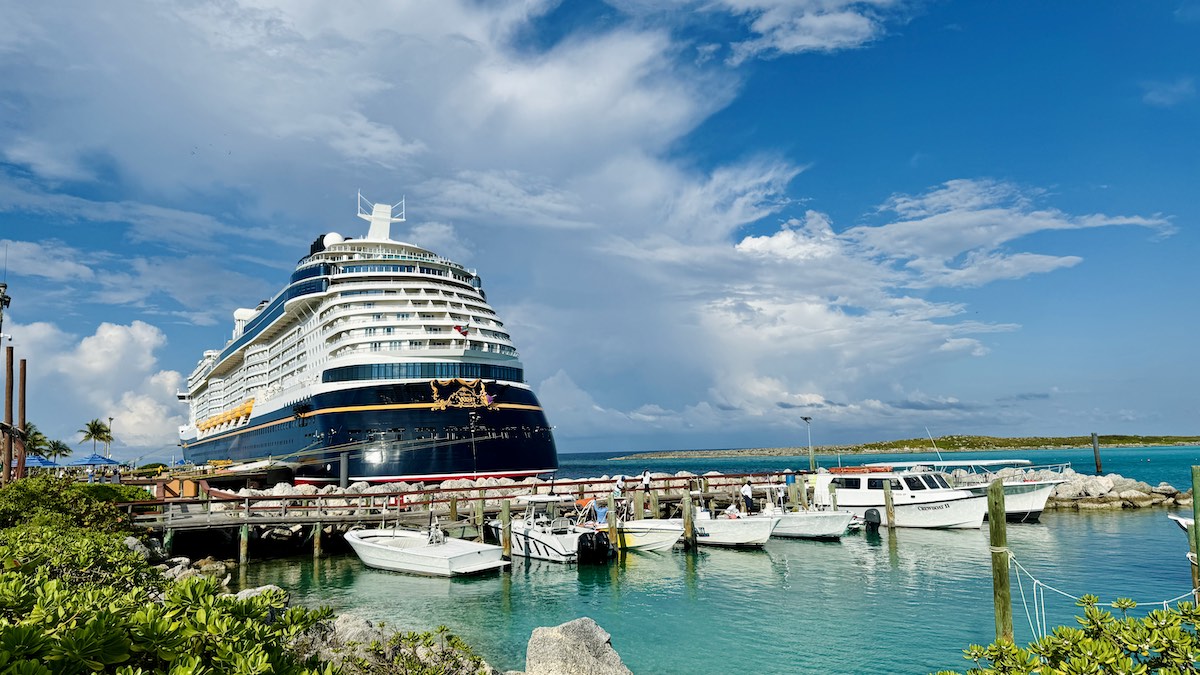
(470, 394)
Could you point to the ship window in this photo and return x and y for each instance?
(914, 483)
(931, 482)
(877, 483)
(848, 483)
(941, 480)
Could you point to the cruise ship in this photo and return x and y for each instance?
(378, 361)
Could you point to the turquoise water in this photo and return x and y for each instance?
(907, 602)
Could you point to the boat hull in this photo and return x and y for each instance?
(647, 535)
(392, 432)
(952, 513)
(1024, 501)
(733, 532)
(812, 524)
(410, 552)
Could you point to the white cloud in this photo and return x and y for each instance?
(1168, 94)
(111, 373)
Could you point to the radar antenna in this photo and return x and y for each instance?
(380, 216)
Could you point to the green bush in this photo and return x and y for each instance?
(1164, 641)
(81, 558)
(110, 492)
(61, 502)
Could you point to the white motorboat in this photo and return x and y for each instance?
(428, 552)
(1026, 487)
(1182, 521)
(730, 528)
(919, 498)
(814, 523)
(647, 534)
(544, 535)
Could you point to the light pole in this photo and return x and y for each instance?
(473, 417)
(812, 459)
(108, 443)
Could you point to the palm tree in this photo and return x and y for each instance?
(35, 441)
(96, 432)
(56, 449)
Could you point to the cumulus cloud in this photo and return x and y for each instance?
(113, 372)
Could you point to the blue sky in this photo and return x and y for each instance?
(700, 221)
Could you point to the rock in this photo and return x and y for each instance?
(579, 647)
(1097, 486)
(1071, 490)
(135, 545)
(179, 561)
(213, 568)
(1094, 503)
(1137, 499)
(357, 488)
(1183, 500)
(307, 489)
(254, 592)
(1165, 489)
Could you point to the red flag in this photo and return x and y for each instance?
(463, 329)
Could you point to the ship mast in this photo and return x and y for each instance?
(381, 218)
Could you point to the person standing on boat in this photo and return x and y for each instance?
(619, 486)
(748, 496)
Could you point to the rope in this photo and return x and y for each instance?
(1037, 619)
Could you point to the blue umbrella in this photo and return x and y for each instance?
(94, 460)
(37, 462)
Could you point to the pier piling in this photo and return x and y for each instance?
(344, 470)
(832, 495)
(1096, 453)
(689, 526)
(168, 541)
(479, 513)
(1001, 593)
(1195, 537)
(506, 529)
(654, 503)
(889, 506)
(244, 544)
(454, 508)
(316, 541)
(639, 505)
(612, 518)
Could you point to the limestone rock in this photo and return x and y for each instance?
(307, 489)
(1165, 489)
(1137, 499)
(579, 647)
(1183, 500)
(1097, 486)
(1071, 490)
(1105, 502)
(135, 545)
(254, 592)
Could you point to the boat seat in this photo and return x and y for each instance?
(560, 526)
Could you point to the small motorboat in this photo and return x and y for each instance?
(813, 523)
(427, 552)
(919, 498)
(1182, 521)
(548, 536)
(647, 534)
(731, 528)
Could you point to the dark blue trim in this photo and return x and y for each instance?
(442, 370)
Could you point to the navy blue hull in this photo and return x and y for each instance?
(395, 432)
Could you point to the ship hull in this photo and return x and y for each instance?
(393, 432)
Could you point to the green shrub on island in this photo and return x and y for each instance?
(61, 502)
(436, 653)
(1163, 641)
(81, 558)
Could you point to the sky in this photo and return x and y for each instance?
(701, 221)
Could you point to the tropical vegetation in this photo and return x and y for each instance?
(74, 598)
(1163, 641)
(96, 431)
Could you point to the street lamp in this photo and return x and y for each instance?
(108, 443)
(812, 459)
(473, 417)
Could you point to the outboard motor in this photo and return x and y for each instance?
(593, 548)
(873, 521)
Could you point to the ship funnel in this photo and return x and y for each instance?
(380, 217)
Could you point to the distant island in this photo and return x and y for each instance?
(944, 444)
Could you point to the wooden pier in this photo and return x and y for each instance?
(187, 504)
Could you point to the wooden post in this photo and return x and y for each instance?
(1191, 533)
(506, 529)
(317, 540)
(244, 544)
(612, 518)
(344, 470)
(454, 508)
(704, 485)
(654, 504)
(832, 495)
(1096, 453)
(802, 490)
(579, 491)
(689, 525)
(6, 457)
(639, 504)
(169, 541)
(887, 503)
(794, 495)
(21, 449)
(1195, 538)
(1001, 593)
